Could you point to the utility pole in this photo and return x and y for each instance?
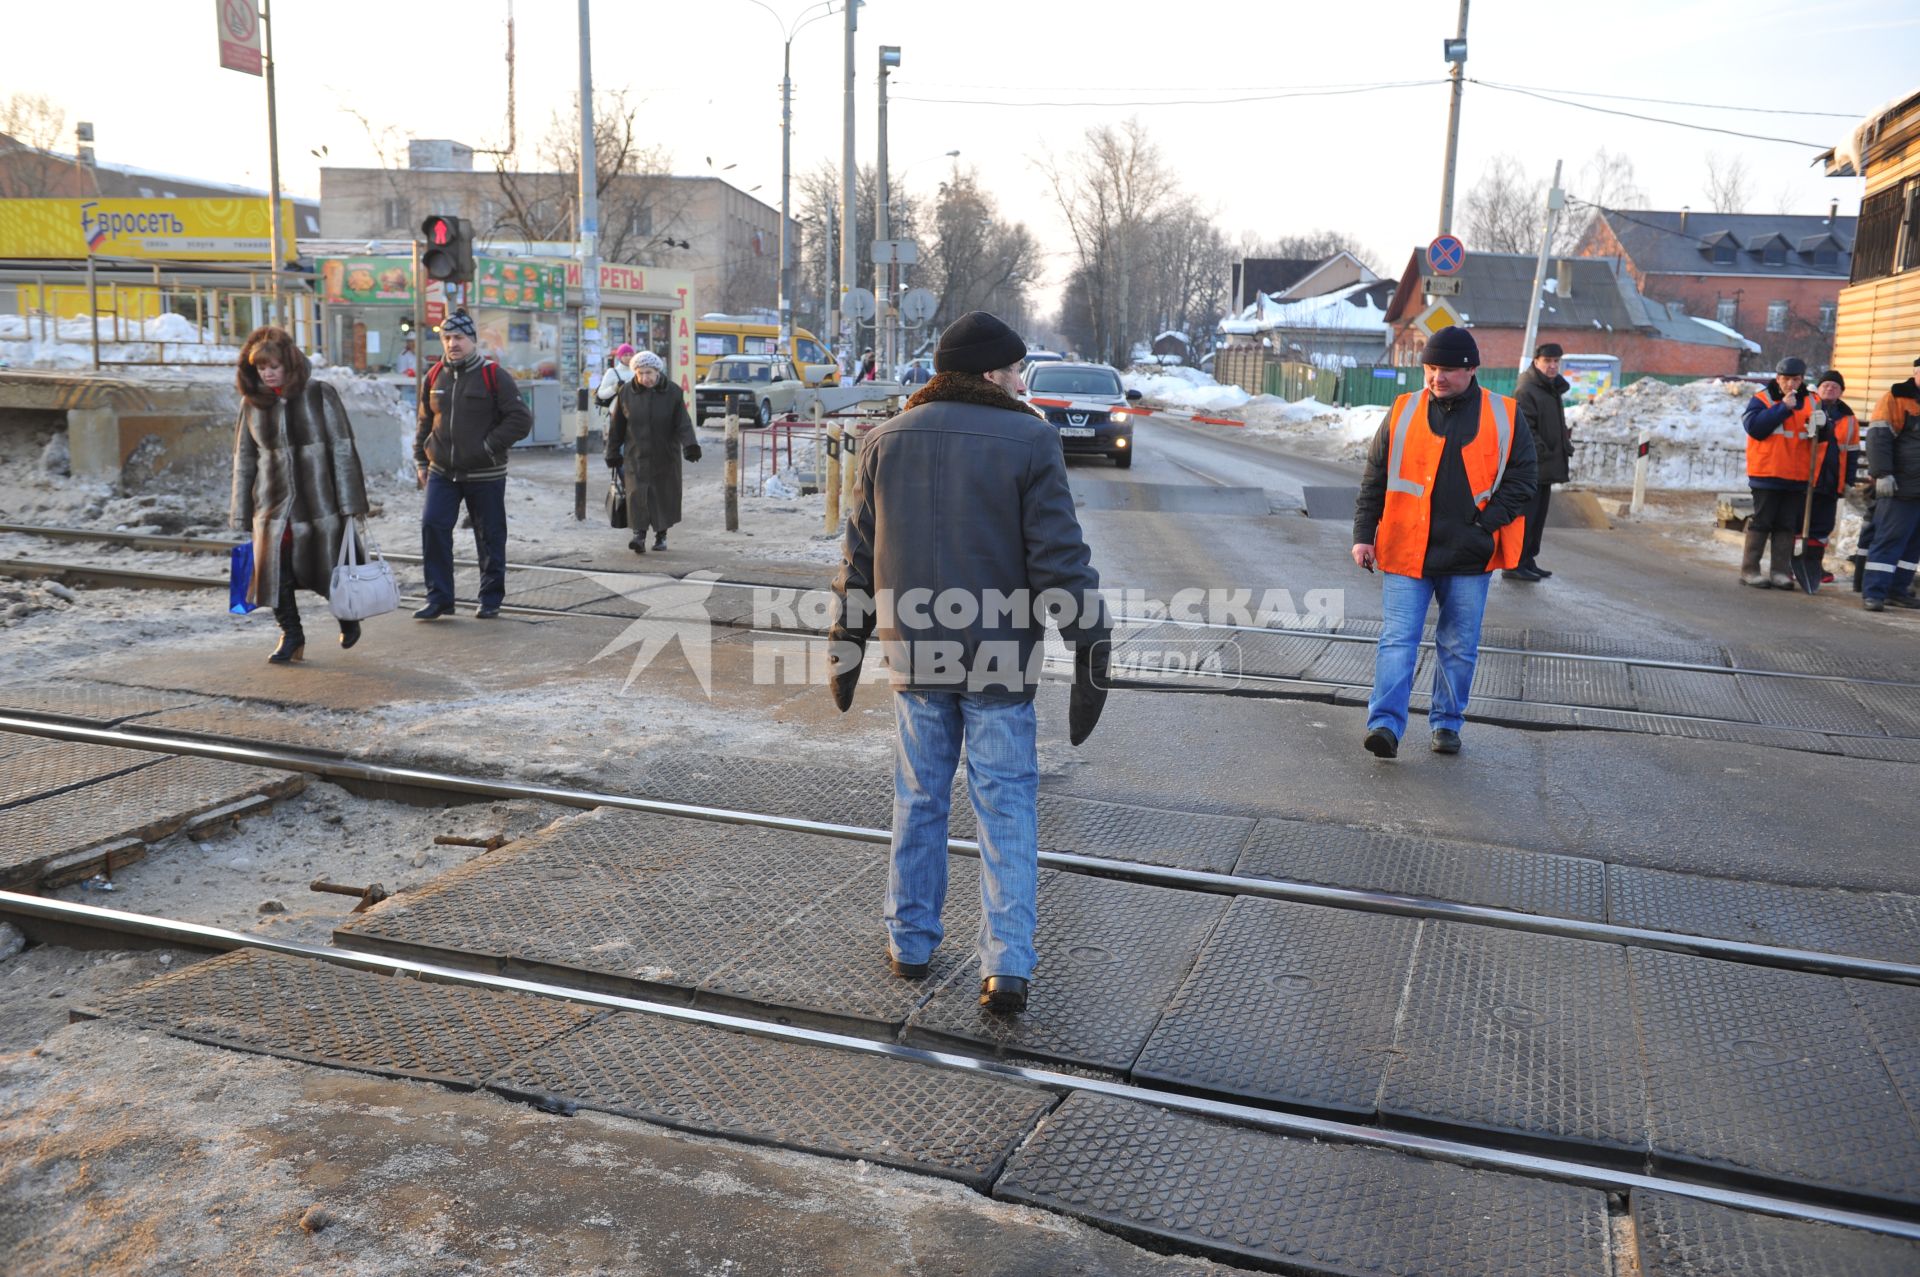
(848, 218)
(883, 272)
(591, 344)
(786, 211)
(1456, 53)
(1556, 200)
(275, 247)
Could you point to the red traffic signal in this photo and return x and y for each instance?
(449, 248)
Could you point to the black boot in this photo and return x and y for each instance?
(293, 639)
(349, 633)
(660, 539)
(638, 543)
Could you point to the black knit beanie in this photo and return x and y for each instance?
(977, 342)
(1832, 375)
(1451, 347)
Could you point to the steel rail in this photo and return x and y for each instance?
(285, 758)
(199, 545)
(200, 936)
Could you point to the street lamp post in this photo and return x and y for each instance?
(883, 272)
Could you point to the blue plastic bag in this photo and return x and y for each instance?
(240, 579)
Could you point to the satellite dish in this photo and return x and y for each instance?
(858, 302)
(919, 305)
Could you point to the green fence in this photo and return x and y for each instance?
(1295, 381)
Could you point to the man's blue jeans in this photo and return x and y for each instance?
(1003, 774)
(487, 503)
(1403, 601)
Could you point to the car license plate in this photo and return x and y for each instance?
(1076, 432)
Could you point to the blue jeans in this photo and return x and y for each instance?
(1003, 773)
(487, 503)
(1404, 600)
(1892, 557)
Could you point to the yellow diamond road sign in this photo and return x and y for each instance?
(1438, 316)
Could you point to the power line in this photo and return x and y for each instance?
(1264, 97)
(1652, 119)
(1709, 106)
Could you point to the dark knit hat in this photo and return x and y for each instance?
(1832, 375)
(977, 342)
(1548, 350)
(458, 322)
(1451, 347)
(1791, 366)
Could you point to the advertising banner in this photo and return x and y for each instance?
(363, 280)
(521, 285)
(233, 230)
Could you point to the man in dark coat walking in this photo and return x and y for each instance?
(1539, 396)
(648, 430)
(962, 539)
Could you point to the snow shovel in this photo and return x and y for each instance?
(1803, 569)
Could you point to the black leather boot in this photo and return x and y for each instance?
(293, 639)
(349, 633)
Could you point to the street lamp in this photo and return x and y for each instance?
(788, 30)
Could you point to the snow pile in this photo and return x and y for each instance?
(1335, 311)
(67, 343)
(1189, 388)
(1696, 414)
(1342, 431)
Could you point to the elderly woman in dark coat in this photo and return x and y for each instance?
(296, 481)
(648, 429)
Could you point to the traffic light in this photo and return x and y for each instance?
(449, 251)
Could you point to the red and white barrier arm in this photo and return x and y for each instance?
(1128, 410)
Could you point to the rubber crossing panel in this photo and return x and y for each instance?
(1111, 957)
(1866, 924)
(813, 1099)
(1626, 649)
(1365, 859)
(1616, 720)
(321, 1013)
(1143, 835)
(1897, 709)
(89, 702)
(1277, 655)
(1561, 680)
(1808, 704)
(1298, 1206)
(1289, 1004)
(1499, 675)
(250, 722)
(1345, 663)
(1519, 1034)
(1878, 750)
(1756, 1072)
(1892, 1016)
(56, 765)
(1694, 693)
(1684, 1237)
(1169, 648)
(1320, 502)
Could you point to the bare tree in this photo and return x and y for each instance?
(1505, 209)
(1189, 262)
(1316, 245)
(978, 261)
(817, 214)
(1605, 181)
(1729, 187)
(30, 169)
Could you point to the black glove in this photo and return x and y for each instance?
(613, 463)
(845, 651)
(1089, 695)
(691, 452)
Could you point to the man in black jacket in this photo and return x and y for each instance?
(1539, 396)
(962, 540)
(1893, 460)
(470, 414)
(1449, 474)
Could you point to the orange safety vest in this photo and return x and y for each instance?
(1846, 437)
(1413, 458)
(1784, 453)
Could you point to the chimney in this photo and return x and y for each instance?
(1565, 286)
(1833, 211)
(1684, 210)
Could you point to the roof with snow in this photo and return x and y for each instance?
(1734, 243)
(1357, 308)
(1881, 133)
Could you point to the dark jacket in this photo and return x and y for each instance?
(1893, 439)
(1540, 401)
(965, 491)
(646, 431)
(1765, 413)
(468, 420)
(1839, 469)
(1459, 534)
(295, 467)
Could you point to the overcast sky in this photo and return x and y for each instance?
(706, 77)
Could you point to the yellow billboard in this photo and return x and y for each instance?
(142, 230)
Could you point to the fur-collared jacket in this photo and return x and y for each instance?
(964, 495)
(295, 466)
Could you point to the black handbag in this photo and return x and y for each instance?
(617, 501)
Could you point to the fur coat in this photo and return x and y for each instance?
(295, 466)
(647, 431)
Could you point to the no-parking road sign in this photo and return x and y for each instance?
(1446, 254)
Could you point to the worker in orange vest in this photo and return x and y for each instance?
(1778, 421)
(1837, 455)
(1450, 478)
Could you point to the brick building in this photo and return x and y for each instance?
(1774, 278)
(1590, 306)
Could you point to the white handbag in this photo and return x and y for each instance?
(361, 590)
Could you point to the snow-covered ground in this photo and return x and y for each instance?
(1696, 440)
(67, 343)
(1320, 427)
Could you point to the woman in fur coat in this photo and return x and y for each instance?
(296, 481)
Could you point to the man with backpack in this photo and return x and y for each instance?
(470, 414)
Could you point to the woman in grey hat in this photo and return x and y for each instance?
(648, 432)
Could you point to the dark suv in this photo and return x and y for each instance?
(1085, 421)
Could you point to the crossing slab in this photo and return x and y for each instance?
(1754, 1072)
(813, 1099)
(1300, 1206)
(1892, 1016)
(1560, 680)
(1684, 1237)
(1277, 655)
(53, 766)
(89, 702)
(1694, 693)
(1807, 704)
(1866, 924)
(1520, 1035)
(1290, 1004)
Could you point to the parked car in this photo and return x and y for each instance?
(723, 336)
(1040, 357)
(757, 387)
(1092, 427)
